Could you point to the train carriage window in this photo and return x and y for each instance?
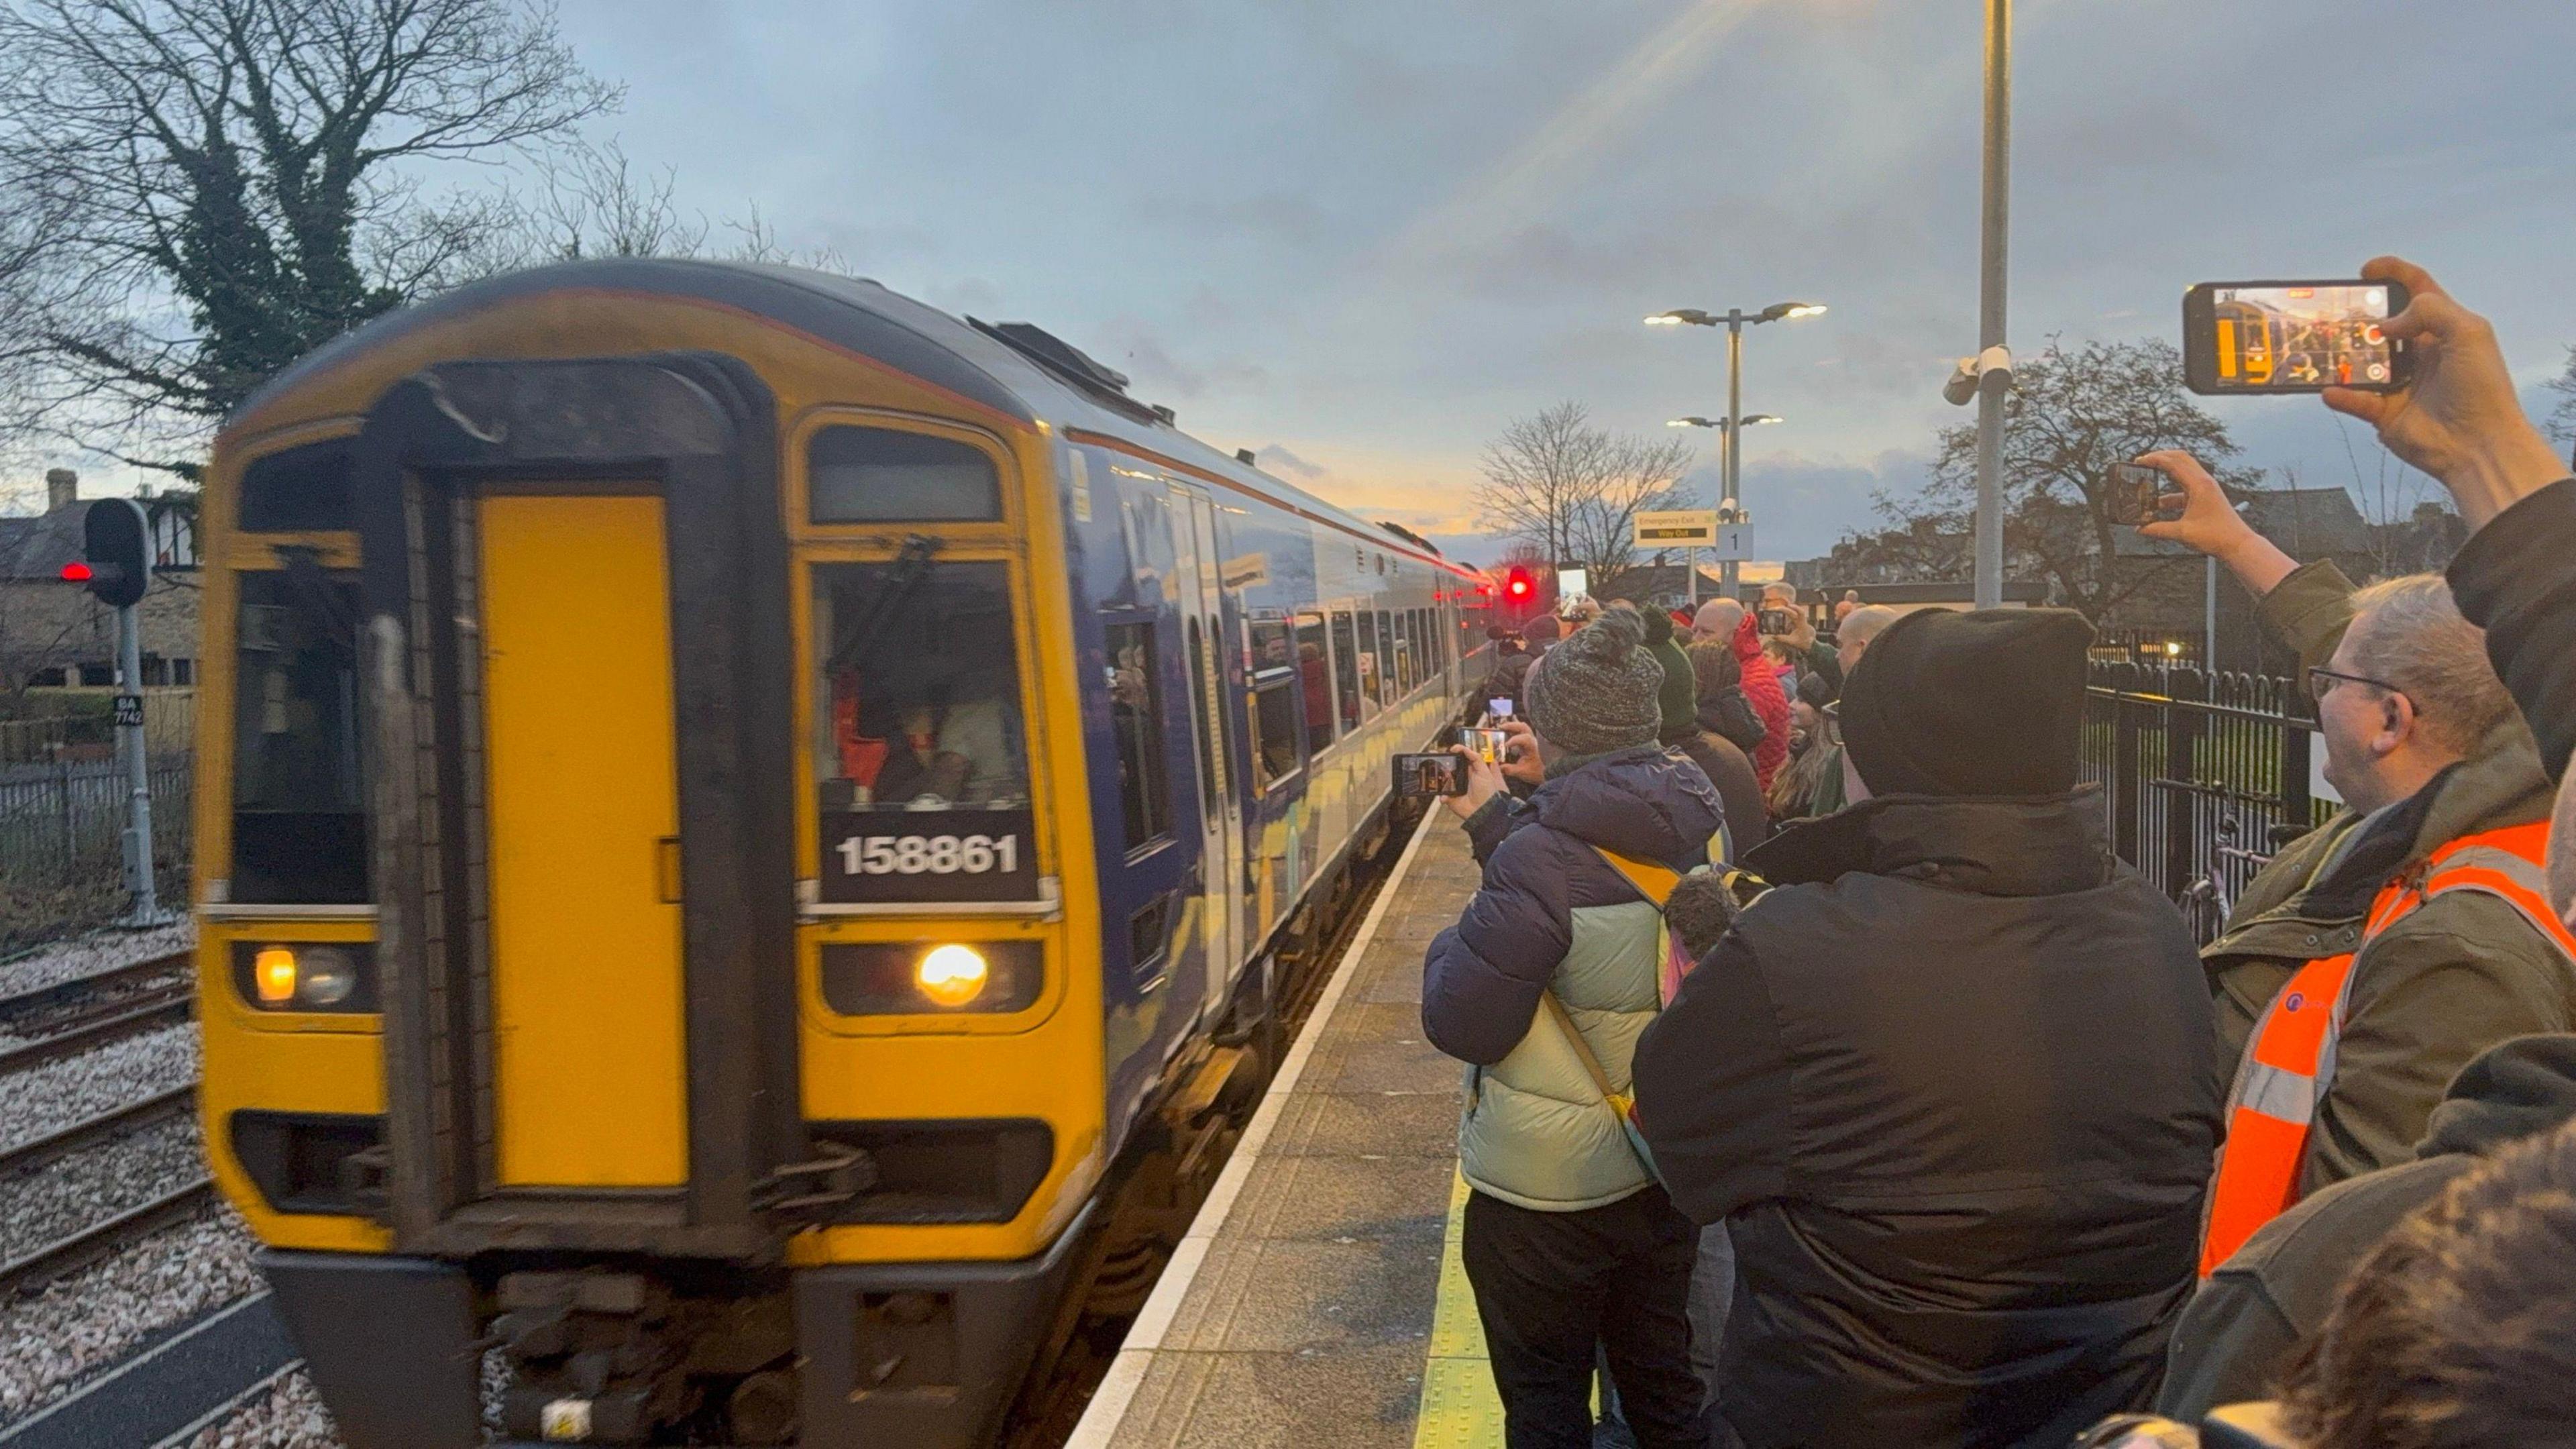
(1314, 680)
(878, 475)
(1395, 653)
(299, 791)
(1136, 716)
(1275, 752)
(1200, 691)
(918, 689)
(1346, 670)
(1372, 688)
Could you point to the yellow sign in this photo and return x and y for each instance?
(1682, 528)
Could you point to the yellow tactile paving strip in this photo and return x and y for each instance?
(1459, 1410)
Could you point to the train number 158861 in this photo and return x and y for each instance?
(929, 854)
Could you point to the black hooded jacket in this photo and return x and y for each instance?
(2235, 1338)
(1949, 1086)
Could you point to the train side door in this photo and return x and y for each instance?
(1220, 805)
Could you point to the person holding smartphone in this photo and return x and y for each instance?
(1569, 1242)
(2371, 959)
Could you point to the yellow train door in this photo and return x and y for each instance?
(590, 1077)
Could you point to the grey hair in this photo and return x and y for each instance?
(1862, 624)
(2409, 632)
(2562, 852)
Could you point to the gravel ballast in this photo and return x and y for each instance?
(88, 955)
(288, 1416)
(54, 1095)
(89, 1320)
(93, 1185)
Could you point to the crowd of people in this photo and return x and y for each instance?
(1831, 1083)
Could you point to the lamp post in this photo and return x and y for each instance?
(1991, 386)
(1727, 428)
(1734, 320)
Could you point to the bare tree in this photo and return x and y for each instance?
(1557, 484)
(594, 202)
(2562, 418)
(2070, 415)
(242, 180)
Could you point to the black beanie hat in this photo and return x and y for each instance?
(1988, 703)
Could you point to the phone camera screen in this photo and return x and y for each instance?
(2271, 337)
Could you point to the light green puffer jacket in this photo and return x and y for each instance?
(1537, 1133)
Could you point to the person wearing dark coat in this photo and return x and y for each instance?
(1949, 1082)
(2236, 1337)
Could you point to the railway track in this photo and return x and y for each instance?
(70, 1017)
(73, 1250)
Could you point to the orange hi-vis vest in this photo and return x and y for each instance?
(2290, 1059)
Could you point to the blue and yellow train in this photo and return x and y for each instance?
(740, 808)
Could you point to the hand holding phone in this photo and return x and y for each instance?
(2459, 417)
(2277, 337)
(2137, 494)
(1428, 776)
(1520, 753)
(2210, 524)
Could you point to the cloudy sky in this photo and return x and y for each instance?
(1363, 235)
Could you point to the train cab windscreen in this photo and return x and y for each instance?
(299, 804)
(921, 760)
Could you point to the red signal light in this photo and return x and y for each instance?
(77, 572)
(1518, 585)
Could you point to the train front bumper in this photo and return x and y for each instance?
(919, 1355)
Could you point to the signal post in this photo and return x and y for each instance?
(116, 568)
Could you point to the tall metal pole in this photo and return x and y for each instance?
(1734, 454)
(2209, 617)
(1990, 320)
(138, 774)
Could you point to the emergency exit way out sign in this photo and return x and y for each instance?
(1684, 528)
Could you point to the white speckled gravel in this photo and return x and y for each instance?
(54, 1095)
(288, 1416)
(91, 1319)
(88, 955)
(94, 1184)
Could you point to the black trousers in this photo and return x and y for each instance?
(1552, 1286)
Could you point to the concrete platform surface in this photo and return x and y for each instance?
(1317, 1298)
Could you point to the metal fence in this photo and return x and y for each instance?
(64, 822)
(2207, 775)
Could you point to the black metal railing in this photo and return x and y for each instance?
(2207, 775)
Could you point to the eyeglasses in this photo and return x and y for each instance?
(2321, 682)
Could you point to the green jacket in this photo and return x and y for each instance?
(2447, 981)
(1679, 699)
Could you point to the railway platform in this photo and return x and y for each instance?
(1318, 1297)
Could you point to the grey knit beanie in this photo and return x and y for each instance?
(1596, 691)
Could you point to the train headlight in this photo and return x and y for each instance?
(932, 978)
(305, 976)
(952, 975)
(273, 969)
(328, 976)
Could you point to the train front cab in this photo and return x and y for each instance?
(596, 695)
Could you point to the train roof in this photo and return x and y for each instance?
(1016, 371)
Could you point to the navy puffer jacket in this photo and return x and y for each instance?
(1552, 914)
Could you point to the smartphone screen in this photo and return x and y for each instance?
(2134, 493)
(2267, 337)
(1487, 745)
(1500, 707)
(1778, 621)
(1423, 775)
